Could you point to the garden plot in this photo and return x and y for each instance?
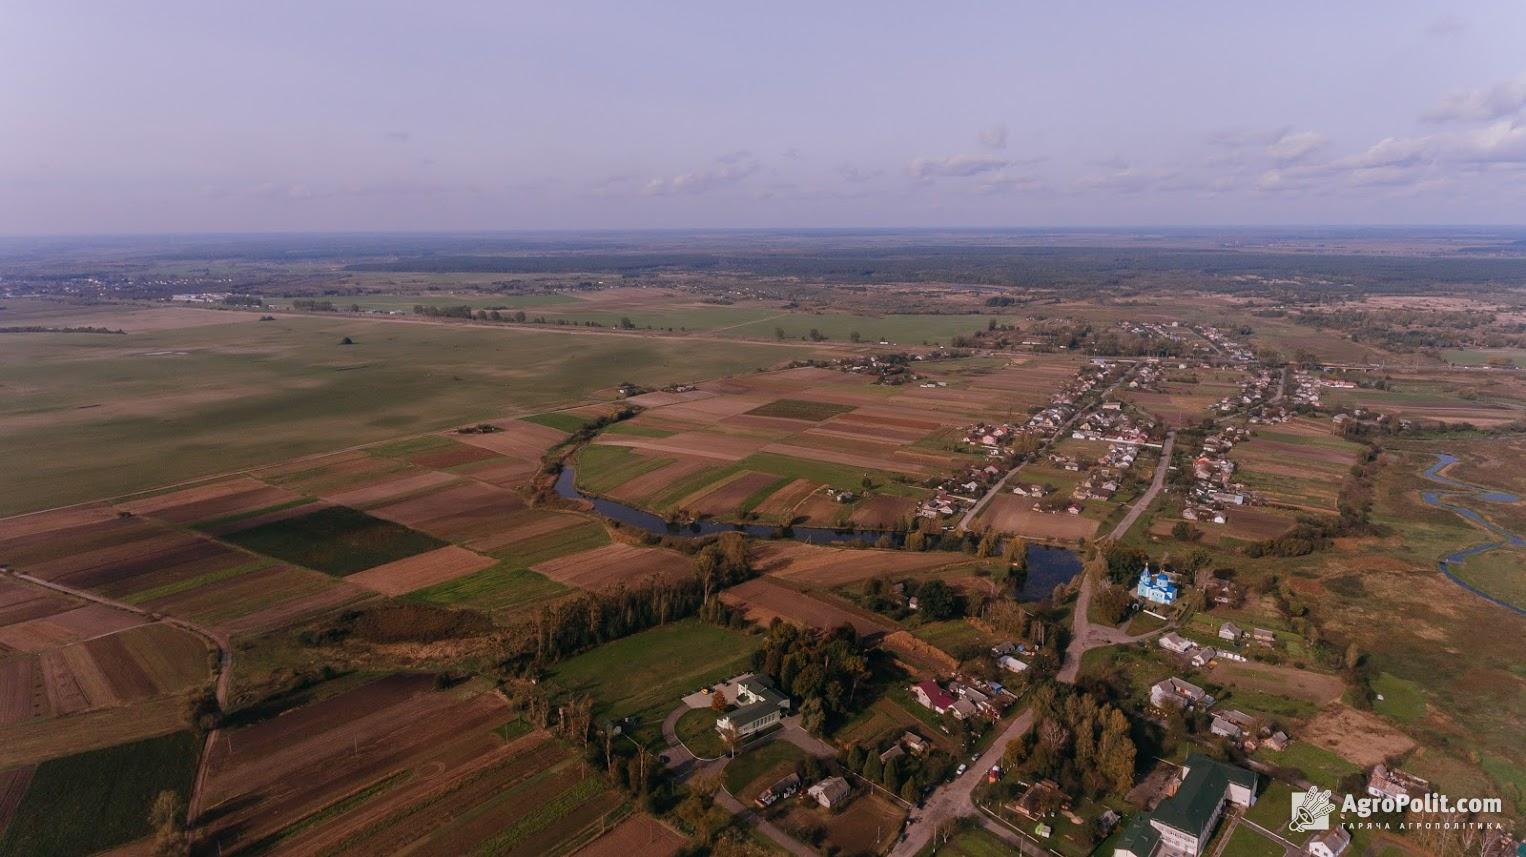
(205, 502)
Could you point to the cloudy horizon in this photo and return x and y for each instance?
(180, 117)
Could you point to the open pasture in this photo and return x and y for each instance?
(90, 417)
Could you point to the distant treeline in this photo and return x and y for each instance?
(40, 328)
(1045, 267)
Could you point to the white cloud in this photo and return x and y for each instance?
(727, 170)
(994, 137)
(1292, 147)
(958, 166)
(1481, 105)
(857, 175)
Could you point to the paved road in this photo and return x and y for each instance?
(954, 799)
(1085, 635)
(216, 638)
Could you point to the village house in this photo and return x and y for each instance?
(1182, 824)
(830, 792)
(760, 706)
(1329, 843)
(1388, 782)
(1041, 800)
(1263, 636)
(1231, 632)
(930, 695)
(1178, 693)
(915, 743)
(1174, 642)
(784, 788)
(1278, 741)
(1011, 664)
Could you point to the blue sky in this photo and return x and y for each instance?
(285, 116)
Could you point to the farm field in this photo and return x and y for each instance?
(637, 836)
(1300, 464)
(397, 764)
(646, 674)
(108, 415)
(763, 599)
(336, 540)
(112, 787)
(504, 591)
(871, 822)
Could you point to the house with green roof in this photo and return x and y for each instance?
(761, 705)
(1182, 824)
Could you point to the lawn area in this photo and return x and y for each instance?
(1271, 810)
(583, 536)
(697, 730)
(560, 421)
(646, 674)
(957, 637)
(502, 588)
(760, 767)
(1246, 842)
(1402, 699)
(100, 799)
(602, 468)
(336, 540)
(797, 409)
(1318, 764)
(1143, 623)
(974, 842)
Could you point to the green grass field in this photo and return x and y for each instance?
(697, 730)
(503, 590)
(601, 468)
(957, 637)
(1402, 700)
(1318, 764)
(335, 540)
(646, 674)
(86, 417)
(1247, 842)
(796, 409)
(975, 842)
(761, 767)
(97, 800)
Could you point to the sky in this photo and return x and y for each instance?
(276, 116)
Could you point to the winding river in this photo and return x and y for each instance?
(1457, 489)
(1047, 566)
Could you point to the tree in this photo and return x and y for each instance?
(717, 702)
(167, 818)
(854, 336)
(729, 737)
(347, 341)
(813, 716)
(937, 600)
(778, 333)
(891, 778)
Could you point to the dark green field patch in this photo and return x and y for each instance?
(100, 799)
(336, 540)
(799, 409)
